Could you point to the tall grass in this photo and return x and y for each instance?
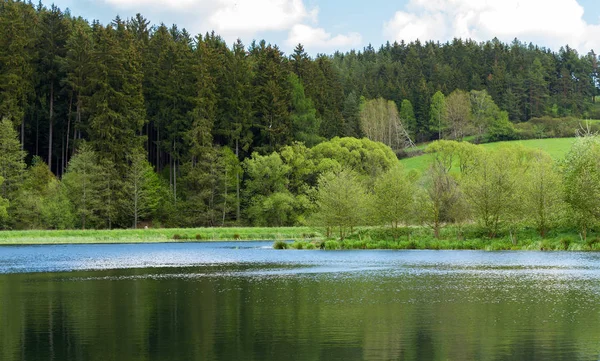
(156, 235)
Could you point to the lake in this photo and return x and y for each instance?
(246, 301)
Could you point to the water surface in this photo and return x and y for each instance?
(246, 301)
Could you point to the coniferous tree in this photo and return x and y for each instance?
(17, 43)
(12, 160)
(55, 29)
(84, 190)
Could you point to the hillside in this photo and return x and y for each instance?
(556, 147)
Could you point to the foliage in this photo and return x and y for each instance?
(393, 199)
(581, 172)
(342, 202)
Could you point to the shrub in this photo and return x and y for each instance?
(332, 245)
(280, 245)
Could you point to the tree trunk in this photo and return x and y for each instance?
(51, 126)
(225, 198)
(23, 134)
(66, 157)
(77, 119)
(237, 185)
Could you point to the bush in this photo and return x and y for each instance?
(332, 245)
(280, 245)
(298, 245)
(565, 243)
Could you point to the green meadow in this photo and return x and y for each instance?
(555, 147)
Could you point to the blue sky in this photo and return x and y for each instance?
(328, 25)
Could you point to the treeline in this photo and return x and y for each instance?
(502, 190)
(189, 112)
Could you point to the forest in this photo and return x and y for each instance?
(126, 124)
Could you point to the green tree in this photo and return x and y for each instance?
(12, 160)
(351, 113)
(491, 186)
(116, 105)
(393, 199)
(56, 209)
(366, 157)
(17, 44)
(438, 113)
(269, 200)
(78, 65)
(458, 113)
(81, 180)
(53, 36)
(581, 179)
(543, 193)
(141, 188)
(4, 204)
(407, 117)
(305, 123)
(342, 202)
(33, 191)
(438, 197)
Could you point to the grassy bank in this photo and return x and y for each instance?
(470, 238)
(155, 235)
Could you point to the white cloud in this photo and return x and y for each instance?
(244, 19)
(551, 23)
(318, 39)
(259, 15)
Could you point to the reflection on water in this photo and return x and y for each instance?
(244, 301)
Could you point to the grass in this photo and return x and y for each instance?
(308, 238)
(472, 238)
(555, 147)
(155, 235)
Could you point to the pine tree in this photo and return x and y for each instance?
(78, 65)
(53, 36)
(17, 22)
(141, 188)
(116, 105)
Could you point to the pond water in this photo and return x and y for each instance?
(246, 301)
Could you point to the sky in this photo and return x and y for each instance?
(324, 26)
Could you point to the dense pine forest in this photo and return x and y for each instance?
(110, 125)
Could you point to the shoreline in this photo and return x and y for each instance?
(302, 238)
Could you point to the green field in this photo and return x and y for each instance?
(556, 147)
(155, 235)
